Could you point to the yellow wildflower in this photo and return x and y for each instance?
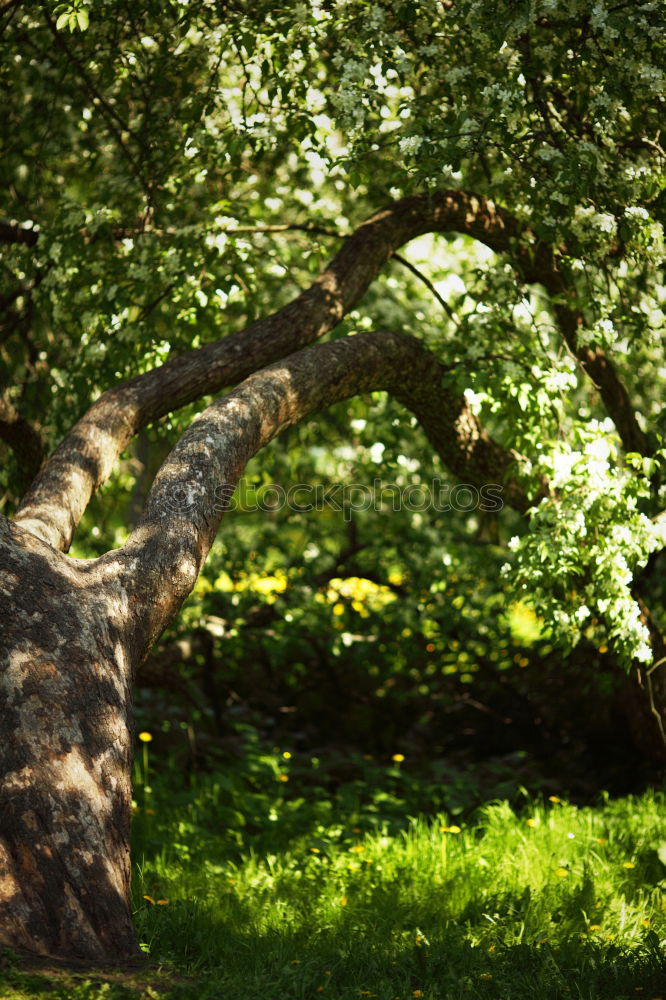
(150, 899)
(561, 872)
(530, 822)
(628, 864)
(145, 737)
(398, 757)
(554, 798)
(450, 829)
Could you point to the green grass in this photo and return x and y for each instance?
(554, 902)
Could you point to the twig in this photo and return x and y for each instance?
(429, 285)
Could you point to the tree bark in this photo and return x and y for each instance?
(66, 673)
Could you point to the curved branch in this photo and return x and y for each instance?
(56, 500)
(162, 558)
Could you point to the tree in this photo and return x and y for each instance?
(143, 150)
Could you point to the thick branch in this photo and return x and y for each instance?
(164, 555)
(54, 504)
(597, 365)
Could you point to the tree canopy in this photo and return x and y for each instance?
(176, 174)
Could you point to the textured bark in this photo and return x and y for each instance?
(66, 673)
(57, 499)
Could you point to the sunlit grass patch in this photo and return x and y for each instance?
(557, 902)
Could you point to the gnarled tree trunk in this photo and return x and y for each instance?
(66, 671)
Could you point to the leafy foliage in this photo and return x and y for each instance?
(179, 170)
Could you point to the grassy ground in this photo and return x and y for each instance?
(554, 902)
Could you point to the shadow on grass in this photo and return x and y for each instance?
(384, 948)
(23, 977)
(379, 948)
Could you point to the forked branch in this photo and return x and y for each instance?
(58, 497)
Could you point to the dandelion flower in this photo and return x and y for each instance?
(343, 900)
(554, 798)
(450, 829)
(150, 899)
(162, 902)
(629, 864)
(561, 872)
(398, 757)
(530, 822)
(145, 737)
